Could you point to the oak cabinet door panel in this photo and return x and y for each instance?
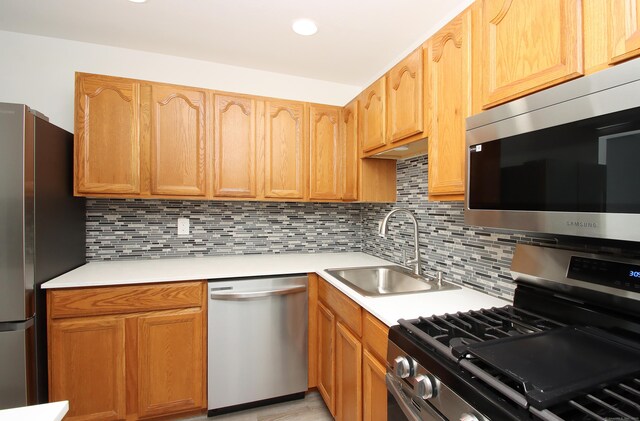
(404, 98)
(170, 362)
(326, 356)
(284, 150)
(349, 134)
(529, 45)
(624, 29)
(178, 141)
(107, 135)
(348, 375)
(326, 153)
(87, 367)
(235, 147)
(373, 116)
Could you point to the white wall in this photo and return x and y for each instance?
(39, 71)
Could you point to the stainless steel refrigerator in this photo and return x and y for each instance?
(42, 235)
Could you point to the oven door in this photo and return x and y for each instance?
(403, 405)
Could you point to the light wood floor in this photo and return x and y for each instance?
(311, 408)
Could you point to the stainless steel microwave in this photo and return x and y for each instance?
(565, 160)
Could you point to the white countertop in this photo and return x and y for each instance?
(387, 309)
(54, 411)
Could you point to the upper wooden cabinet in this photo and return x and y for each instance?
(404, 98)
(107, 135)
(326, 153)
(349, 135)
(284, 149)
(529, 45)
(449, 79)
(372, 116)
(624, 29)
(235, 146)
(178, 141)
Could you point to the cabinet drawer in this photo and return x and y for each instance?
(346, 310)
(375, 336)
(124, 299)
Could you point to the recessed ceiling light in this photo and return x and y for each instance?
(304, 27)
(138, 1)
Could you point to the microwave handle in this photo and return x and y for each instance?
(397, 394)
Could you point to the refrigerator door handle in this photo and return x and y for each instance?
(15, 326)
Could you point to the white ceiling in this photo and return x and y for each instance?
(356, 42)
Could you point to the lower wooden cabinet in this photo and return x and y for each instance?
(374, 388)
(122, 352)
(170, 362)
(351, 352)
(326, 357)
(87, 367)
(348, 375)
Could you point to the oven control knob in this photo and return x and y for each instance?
(468, 417)
(425, 386)
(402, 367)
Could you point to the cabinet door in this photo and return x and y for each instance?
(170, 362)
(449, 78)
(235, 147)
(87, 367)
(404, 98)
(285, 144)
(529, 45)
(178, 141)
(326, 356)
(348, 375)
(374, 395)
(107, 135)
(624, 29)
(373, 116)
(326, 150)
(349, 135)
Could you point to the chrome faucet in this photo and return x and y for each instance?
(384, 229)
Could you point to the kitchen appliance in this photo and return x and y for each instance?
(567, 349)
(560, 161)
(42, 235)
(257, 336)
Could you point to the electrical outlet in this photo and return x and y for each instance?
(183, 226)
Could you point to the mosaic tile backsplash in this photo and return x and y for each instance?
(134, 229)
(476, 257)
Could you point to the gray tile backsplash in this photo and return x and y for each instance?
(473, 256)
(134, 229)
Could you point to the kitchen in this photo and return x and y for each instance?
(253, 224)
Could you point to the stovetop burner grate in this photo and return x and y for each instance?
(451, 335)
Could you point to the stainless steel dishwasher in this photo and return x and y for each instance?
(257, 339)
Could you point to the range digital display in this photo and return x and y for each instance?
(604, 272)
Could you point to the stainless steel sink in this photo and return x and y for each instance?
(387, 280)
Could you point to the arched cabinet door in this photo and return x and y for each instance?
(624, 29)
(178, 141)
(284, 149)
(234, 146)
(405, 98)
(449, 78)
(373, 116)
(107, 136)
(326, 155)
(529, 45)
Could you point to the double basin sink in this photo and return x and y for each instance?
(387, 280)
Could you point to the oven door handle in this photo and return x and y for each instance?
(398, 395)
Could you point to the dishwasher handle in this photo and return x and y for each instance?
(254, 295)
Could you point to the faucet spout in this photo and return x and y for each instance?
(384, 230)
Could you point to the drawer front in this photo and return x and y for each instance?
(95, 301)
(375, 336)
(346, 310)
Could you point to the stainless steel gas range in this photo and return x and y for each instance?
(567, 349)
